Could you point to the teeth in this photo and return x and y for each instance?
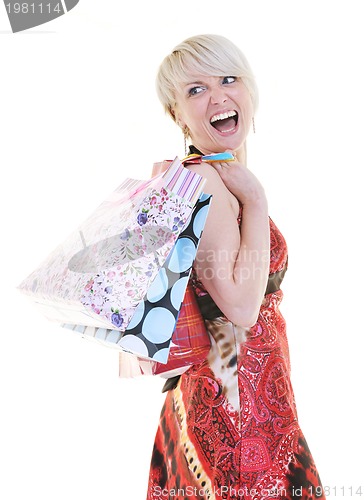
(222, 116)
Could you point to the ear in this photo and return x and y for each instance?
(176, 115)
(180, 123)
(171, 112)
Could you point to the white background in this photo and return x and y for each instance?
(79, 113)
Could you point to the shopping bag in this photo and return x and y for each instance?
(190, 342)
(100, 275)
(149, 333)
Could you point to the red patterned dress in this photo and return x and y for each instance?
(229, 429)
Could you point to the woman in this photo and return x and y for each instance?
(229, 426)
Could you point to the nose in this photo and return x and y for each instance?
(218, 95)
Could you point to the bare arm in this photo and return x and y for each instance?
(233, 262)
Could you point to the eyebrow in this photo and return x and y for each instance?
(194, 83)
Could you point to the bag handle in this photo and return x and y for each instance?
(161, 166)
(195, 158)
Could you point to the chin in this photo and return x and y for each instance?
(231, 143)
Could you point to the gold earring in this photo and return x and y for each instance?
(253, 122)
(185, 136)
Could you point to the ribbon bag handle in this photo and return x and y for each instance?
(161, 166)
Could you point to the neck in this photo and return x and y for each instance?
(241, 154)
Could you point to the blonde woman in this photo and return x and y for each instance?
(229, 426)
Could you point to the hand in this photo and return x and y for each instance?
(240, 181)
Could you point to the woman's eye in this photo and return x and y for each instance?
(229, 79)
(195, 91)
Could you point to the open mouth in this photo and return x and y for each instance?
(225, 122)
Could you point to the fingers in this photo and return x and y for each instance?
(221, 168)
(224, 164)
(217, 165)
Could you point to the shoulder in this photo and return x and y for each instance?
(213, 179)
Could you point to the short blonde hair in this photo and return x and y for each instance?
(210, 55)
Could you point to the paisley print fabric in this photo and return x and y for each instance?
(229, 430)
